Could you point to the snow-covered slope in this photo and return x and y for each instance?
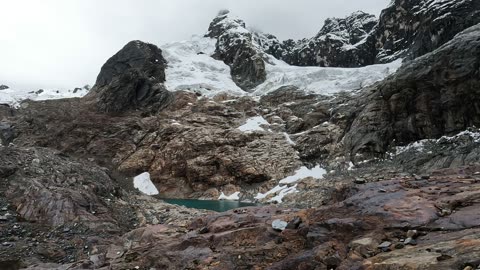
(13, 97)
(190, 67)
(324, 80)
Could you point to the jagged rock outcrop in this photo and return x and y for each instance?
(411, 28)
(433, 95)
(236, 48)
(405, 29)
(130, 79)
(3, 87)
(340, 43)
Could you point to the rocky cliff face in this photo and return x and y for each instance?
(431, 96)
(235, 46)
(414, 28)
(340, 43)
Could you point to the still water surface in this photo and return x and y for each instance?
(218, 206)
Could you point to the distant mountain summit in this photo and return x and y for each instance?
(405, 29)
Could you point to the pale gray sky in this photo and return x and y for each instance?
(64, 43)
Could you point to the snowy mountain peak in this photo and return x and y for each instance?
(352, 28)
(224, 23)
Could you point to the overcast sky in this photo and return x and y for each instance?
(63, 43)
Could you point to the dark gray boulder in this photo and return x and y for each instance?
(136, 55)
(3, 87)
(133, 78)
(6, 133)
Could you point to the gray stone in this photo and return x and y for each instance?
(360, 181)
(294, 223)
(410, 241)
(412, 233)
(385, 245)
(279, 225)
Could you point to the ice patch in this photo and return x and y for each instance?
(289, 140)
(282, 190)
(253, 124)
(324, 80)
(234, 197)
(283, 193)
(304, 172)
(143, 183)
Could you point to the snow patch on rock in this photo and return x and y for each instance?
(419, 146)
(283, 188)
(143, 183)
(234, 197)
(254, 124)
(304, 172)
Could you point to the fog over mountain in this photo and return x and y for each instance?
(61, 44)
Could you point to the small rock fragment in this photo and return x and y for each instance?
(360, 181)
(385, 246)
(412, 234)
(294, 223)
(444, 257)
(203, 230)
(410, 241)
(279, 225)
